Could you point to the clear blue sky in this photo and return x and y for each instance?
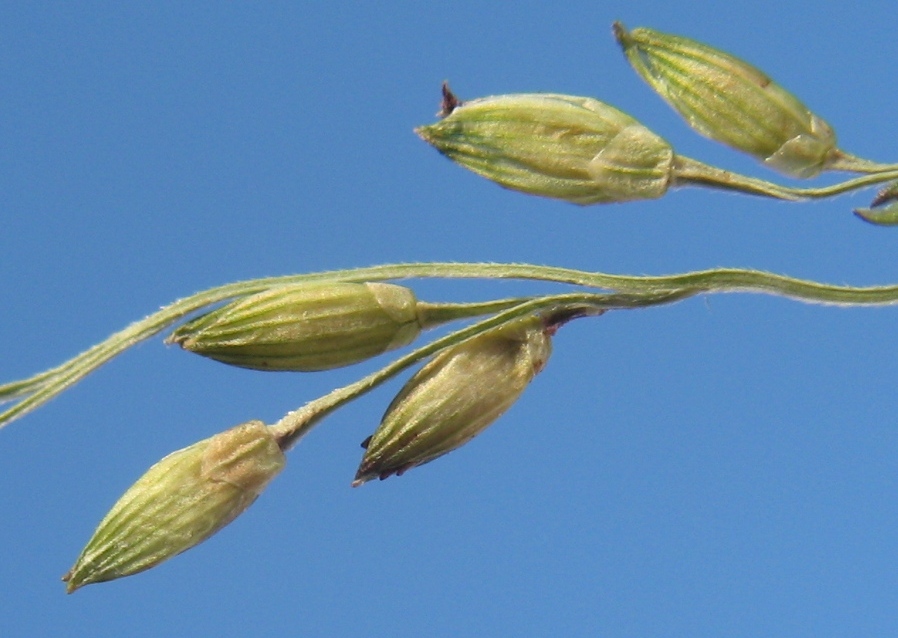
(724, 467)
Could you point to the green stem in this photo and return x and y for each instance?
(431, 315)
(688, 171)
(296, 424)
(44, 386)
(842, 161)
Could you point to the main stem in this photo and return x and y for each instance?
(40, 388)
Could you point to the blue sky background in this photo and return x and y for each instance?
(723, 467)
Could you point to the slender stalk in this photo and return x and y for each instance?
(688, 171)
(431, 315)
(842, 161)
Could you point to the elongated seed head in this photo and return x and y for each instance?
(305, 327)
(731, 101)
(455, 396)
(572, 148)
(181, 501)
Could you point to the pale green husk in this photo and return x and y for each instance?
(181, 501)
(572, 148)
(305, 327)
(731, 101)
(456, 396)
